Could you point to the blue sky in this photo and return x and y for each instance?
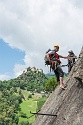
(28, 28)
(9, 57)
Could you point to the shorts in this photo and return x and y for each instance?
(59, 72)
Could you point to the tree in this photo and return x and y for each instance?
(29, 96)
(23, 115)
(51, 84)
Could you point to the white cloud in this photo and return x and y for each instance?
(36, 25)
(18, 69)
(4, 77)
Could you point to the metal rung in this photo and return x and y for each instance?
(37, 113)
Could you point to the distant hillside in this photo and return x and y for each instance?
(12, 94)
(32, 75)
(31, 79)
(52, 74)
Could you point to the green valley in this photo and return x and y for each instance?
(26, 93)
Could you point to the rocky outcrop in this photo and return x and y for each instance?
(67, 104)
(33, 69)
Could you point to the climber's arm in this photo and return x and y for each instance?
(65, 57)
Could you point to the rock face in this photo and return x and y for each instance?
(66, 104)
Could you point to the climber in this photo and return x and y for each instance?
(71, 61)
(54, 61)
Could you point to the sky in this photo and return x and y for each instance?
(28, 28)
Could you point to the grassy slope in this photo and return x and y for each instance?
(30, 105)
(26, 107)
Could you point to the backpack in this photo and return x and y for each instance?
(53, 57)
(45, 58)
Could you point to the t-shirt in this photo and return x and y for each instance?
(52, 52)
